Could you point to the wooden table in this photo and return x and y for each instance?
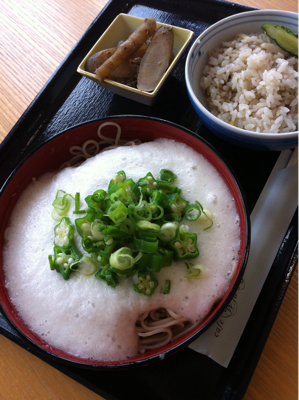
(36, 36)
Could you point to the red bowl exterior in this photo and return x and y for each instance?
(52, 155)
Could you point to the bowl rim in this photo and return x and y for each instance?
(204, 110)
(129, 363)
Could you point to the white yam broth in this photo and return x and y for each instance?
(85, 317)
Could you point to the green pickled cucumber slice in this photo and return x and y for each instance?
(284, 37)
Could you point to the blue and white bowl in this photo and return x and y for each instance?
(224, 30)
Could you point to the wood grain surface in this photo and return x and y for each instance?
(36, 35)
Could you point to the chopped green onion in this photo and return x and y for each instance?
(146, 246)
(122, 259)
(206, 215)
(143, 211)
(155, 262)
(169, 231)
(167, 176)
(95, 231)
(170, 218)
(130, 229)
(117, 212)
(98, 196)
(167, 287)
(197, 272)
(87, 245)
(157, 211)
(127, 227)
(167, 188)
(87, 266)
(119, 177)
(148, 225)
(107, 275)
(77, 205)
(77, 201)
(192, 212)
(61, 205)
(51, 262)
(184, 229)
(158, 197)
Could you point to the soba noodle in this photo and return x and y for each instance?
(156, 327)
(91, 148)
(156, 321)
(161, 326)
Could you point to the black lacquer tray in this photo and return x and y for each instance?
(69, 99)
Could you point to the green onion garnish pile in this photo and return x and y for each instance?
(132, 229)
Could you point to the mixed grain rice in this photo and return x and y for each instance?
(252, 83)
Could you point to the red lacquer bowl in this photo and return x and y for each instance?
(51, 156)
